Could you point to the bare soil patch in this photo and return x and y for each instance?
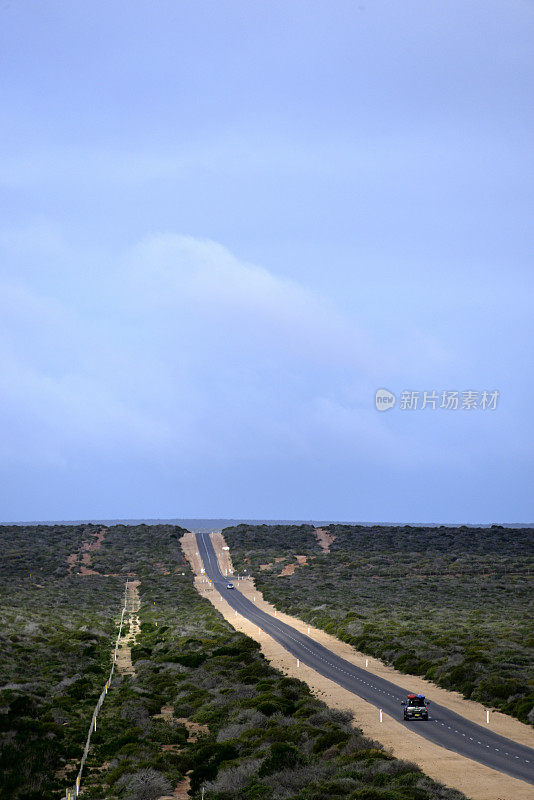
(85, 565)
(97, 543)
(324, 539)
(71, 561)
(181, 792)
(289, 569)
(82, 558)
(166, 713)
(194, 729)
(124, 656)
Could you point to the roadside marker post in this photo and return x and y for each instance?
(298, 662)
(308, 629)
(380, 715)
(487, 716)
(366, 663)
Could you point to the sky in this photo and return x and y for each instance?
(225, 225)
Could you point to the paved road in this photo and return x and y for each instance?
(445, 728)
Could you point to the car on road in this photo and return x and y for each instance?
(415, 707)
(230, 586)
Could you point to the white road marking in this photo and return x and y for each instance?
(336, 667)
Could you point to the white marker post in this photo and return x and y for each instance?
(259, 630)
(308, 629)
(487, 716)
(275, 612)
(380, 715)
(366, 663)
(298, 663)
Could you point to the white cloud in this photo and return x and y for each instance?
(202, 281)
(182, 352)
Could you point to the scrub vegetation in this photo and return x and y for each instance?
(204, 708)
(454, 605)
(55, 636)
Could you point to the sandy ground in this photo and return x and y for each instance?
(125, 667)
(124, 656)
(189, 546)
(475, 780)
(324, 539)
(83, 557)
(194, 729)
(223, 556)
(289, 569)
(181, 792)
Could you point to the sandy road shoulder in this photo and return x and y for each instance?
(475, 712)
(475, 780)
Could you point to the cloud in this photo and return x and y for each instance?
(182, 276)
(179, 350)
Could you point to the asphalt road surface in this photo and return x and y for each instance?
(444, 727)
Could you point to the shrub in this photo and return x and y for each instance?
(147, 784)
(283, 755)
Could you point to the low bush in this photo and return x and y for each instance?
(451, 604)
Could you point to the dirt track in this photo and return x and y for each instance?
(324, 539)
(475, 780)
(124, 656)
(83, 557)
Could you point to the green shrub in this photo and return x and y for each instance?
(328, 739)
(282, 755)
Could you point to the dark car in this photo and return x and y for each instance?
(415, 707)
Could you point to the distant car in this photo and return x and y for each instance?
(230, 586)
(415, 707)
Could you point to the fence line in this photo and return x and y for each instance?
(73, 792)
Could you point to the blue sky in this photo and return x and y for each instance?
(225, 224)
